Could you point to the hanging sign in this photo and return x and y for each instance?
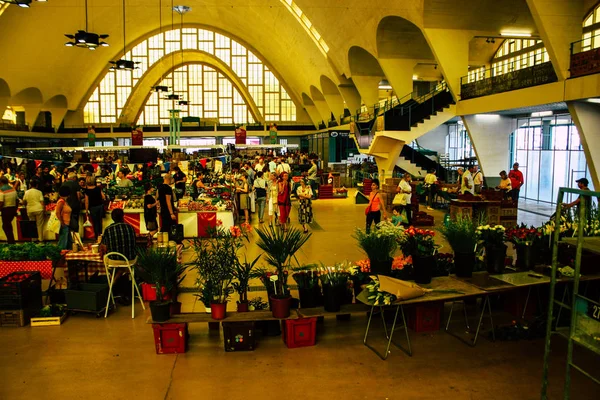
(91, 136)
(137, 136)
(273, 133)
(240, 135)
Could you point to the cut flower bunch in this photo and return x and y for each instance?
(418, 242)
(491, 235)
(523, 235)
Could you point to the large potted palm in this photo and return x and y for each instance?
(461, 234)
(243, 272)
(159, 266)
(280, 248)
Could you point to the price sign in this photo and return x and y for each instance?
(593, 311)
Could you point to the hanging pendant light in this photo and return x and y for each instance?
(160, 88)
(181, 10)
(123, 64)
(86, 39)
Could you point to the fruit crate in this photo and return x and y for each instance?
(239, 336)
(170, 338)
(48, 321)
(300, 332)
(14, 318)
(21, 290)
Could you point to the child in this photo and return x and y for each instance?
(150, 211)
(397, 216)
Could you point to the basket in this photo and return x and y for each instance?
(25, 294)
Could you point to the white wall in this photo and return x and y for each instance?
(435, 139)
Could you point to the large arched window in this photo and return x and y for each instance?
(591, 30)
(513, 55)
(272, 100)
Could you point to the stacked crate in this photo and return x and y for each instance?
(20, 297)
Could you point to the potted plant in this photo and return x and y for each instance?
(462, 236)
(280, 247)
(307, 279)
(159, 266)
(492, 238)
(420, 245)
(335, 284)
(379, 245)
(525, 241)
(243, 272)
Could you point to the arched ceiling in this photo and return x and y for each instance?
(400, 38)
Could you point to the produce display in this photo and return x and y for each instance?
(116, 204)
(134, 203)
(17, 277)
(201, 206)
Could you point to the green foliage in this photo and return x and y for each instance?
(29, 252)
(461, 233)
(381, 243)
(305, 276)
(280, 247)
(159, 266)
(243, 272)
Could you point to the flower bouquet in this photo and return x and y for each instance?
(335, 285)
(492, 238)
(379, 245)
(420, 245)
(526, 241)
(307, 279)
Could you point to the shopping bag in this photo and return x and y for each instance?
(88, 229)
(399, 200)
(53, 224)
(403, 217)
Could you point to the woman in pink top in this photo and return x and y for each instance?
(376, 206)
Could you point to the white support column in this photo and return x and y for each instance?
(560, 24)
(489, 135)
(586, 116)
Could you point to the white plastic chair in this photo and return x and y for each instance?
(114, 264)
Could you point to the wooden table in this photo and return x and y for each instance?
(230, 317)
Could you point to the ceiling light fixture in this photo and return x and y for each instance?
(181, 10)
(516, 34)
(160, 88)
(542, 114)
(86, 39)
(596, 101)
(384, 85)
(20, 3)
(123, 64)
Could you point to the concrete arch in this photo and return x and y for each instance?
(366, 74)
(29, 96)
(58, 107)
(320, 103)
(332, 95)
(142, 90)
(4, 95)
(311, 109)
(397, 37)
(58, 101)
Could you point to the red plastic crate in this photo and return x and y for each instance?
(170, 338)
(300, 332)
(425, 318)
(149, 292)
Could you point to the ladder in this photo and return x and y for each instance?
(584, 327)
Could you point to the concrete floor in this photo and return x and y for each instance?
(114, 358)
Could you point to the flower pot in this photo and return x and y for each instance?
(333, 297)
(423, 267)
(463, 264)
(381, 267)
(495, 256)
(310, 298)
(526, 255)
(175, 308)
(242, 306)
(280, 306)
(160, 311)
(218, 310)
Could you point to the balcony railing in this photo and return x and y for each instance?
(489, 82)
(585, 56)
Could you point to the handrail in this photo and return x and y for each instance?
(486, 73)
(579, 46)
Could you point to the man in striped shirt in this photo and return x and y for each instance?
(119, 236)
(8, 207)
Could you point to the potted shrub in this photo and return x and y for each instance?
(492, 238)
(280, 247)
(243, 272)
(335, 284)
(379, 245)
(307, 279)
(462, 236)
(159, 266)
(526, 241)
(420, 245)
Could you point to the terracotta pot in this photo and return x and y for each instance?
(280, 306)
(218, 310)
(242, 306)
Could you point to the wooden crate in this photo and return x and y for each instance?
(14, 318)
(48, 321)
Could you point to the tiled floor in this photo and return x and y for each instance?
(113, 358)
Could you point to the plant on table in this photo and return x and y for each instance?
(243, 272)
(491, 236)
(379, 245)
(334, 280)
(159, 266)
(257, 304)
(461, 234)
(29, 252)
(418, 242)
(523, 236)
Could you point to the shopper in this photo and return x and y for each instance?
(260, 188)
(430, 187)
(20, 184)
(272, 200)
(467, 185)
(242, 190)
(8, 206)
(166, 199)
(64, 213)
(122, 180)
(34, 202)
(119, 237)
(180, 180)
(505, 185)
(150, 210)
(516, 181)
(94, 204)
(272, 166)
(197, 187)
(477, 179)
(284, 201)
(305, 213)
(460, 171)
(582, 184)
(405, 189)
(74, 200)
(312, 177)
(375, 207)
